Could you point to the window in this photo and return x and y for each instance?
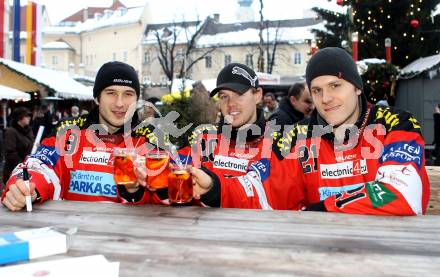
(208, 61)
(147, 80)
(87, 60)
(54, 60)
(125, 56)
(147, 58)
(179, 55)
(163, 79)
(114, 56)
(250, 60)
(228, 59)
(297, 58)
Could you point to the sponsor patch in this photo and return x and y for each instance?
(406, 180)
(92, 183)
(379, 194)
(403, 152)
(340, 159)
(230, 163)
(342, 170)
(262, 167)
(47, 154)
(98, 158)
(325, 192)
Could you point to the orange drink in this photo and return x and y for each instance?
(123, 166)
(180, 188)
(157, 169)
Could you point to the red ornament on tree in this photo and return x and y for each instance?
(340, 2)
(414, 23)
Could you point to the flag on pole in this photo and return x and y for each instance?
(2, 28)
(16, 33)
(38, 35)
(29, 15)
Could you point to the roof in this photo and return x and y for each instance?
(90, 11)
(13, 94)
(219, 34)
(132, 15)
(55, 81)
(57, 45)
(420, 66)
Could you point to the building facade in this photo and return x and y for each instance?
(286, 42)
(197, 50)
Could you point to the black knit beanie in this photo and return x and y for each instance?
(336, 62)
(115, 73)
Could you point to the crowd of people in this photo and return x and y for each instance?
(323, 148)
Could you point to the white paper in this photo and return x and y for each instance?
(92, 266)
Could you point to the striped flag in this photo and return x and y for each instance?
(16, 34)
(2, 28)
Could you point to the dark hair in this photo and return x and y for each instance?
(296, 90)
(18, 113)
(270, 94)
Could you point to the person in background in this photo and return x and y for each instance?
(76, 162)
(48, 127)
(295, 106)
(74, 111)
(270, 104)
(84, 112)
(147, 110)
(437, 135)
(38, 120)
(19, 140)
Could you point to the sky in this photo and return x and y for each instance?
(178, 10)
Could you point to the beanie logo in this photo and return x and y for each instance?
(240, 71)
(122, 81)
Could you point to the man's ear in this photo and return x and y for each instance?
(96, 101)
(292, 100)
(258, 95)
(358, 91)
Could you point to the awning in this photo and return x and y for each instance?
(13, 94)
(56, 81)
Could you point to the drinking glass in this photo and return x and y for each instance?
(180, 188)
(124, 159)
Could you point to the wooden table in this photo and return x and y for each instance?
(192, 241)
(434, 181)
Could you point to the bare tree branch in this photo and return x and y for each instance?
(260, 60)
(167, 46)
(271, 56)
(200, 58)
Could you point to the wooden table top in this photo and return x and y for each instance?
(191, 241)
(434, 181)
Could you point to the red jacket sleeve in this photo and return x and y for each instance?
(45, 168)
(401, 186)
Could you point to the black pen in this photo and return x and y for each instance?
(26, 183)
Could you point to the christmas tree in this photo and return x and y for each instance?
(411, 25)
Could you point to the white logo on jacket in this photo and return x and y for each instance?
(406, 180)
(98, 158)
(231, 163)
(345, 169)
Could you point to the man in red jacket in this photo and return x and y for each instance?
(76, 163)
(225, 152)
(349, 157)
